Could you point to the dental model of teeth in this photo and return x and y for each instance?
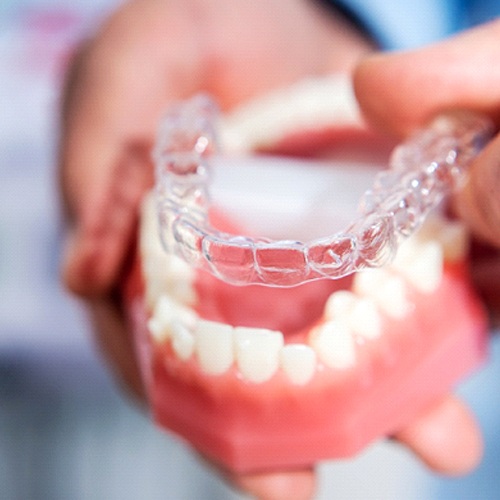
(234, 369)
(351, 317)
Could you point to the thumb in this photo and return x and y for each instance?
(479, 203)
(399, 92)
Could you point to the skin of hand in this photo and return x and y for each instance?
(401, 91)
(149, 53)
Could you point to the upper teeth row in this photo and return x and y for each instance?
(314, 103)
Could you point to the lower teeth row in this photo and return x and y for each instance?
(258, 353)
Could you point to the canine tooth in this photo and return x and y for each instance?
(365, 319)
(339, 304)
(334, 344)
(298, 361)
(182, 342)
(214, 346)
(257, 352)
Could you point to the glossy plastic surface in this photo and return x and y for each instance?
(423, 170)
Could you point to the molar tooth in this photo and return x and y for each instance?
(298, 361)
(214, 346)
(257, 352)
(182, 342)
(334, 344)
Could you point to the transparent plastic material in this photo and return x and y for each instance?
(423, 170)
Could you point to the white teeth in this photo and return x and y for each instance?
(339, 304)
(387, 290)
(421, 259)
(167, 310)
(157, 330)
(369, 281)
(392, 298)
(311, 103)
(334, 344)
(166, 314)
(182, 342)
(161, 277)
(163, 273)
(257, 352)
(214, 346)
(421, 263)
(360, 314)
(453, 236)
(365, 319)
(425, 271)
(298, 361)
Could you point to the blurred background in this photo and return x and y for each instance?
(65, 430)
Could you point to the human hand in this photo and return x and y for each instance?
(402, 91)
(150, 53)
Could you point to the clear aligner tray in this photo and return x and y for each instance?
(422, 171)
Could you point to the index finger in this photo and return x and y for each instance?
(402, 90)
